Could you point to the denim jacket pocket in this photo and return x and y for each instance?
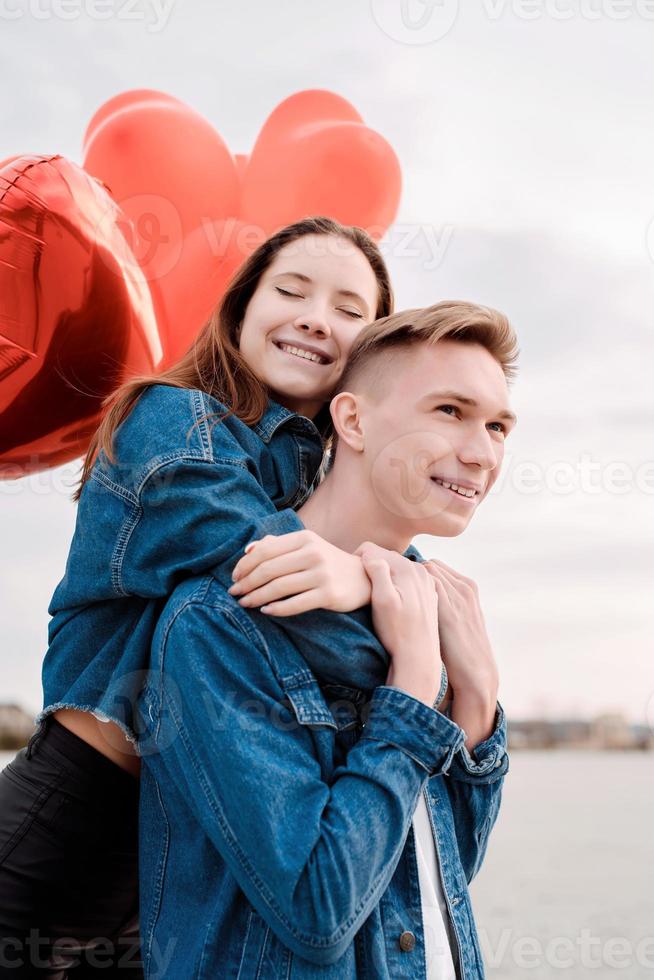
(307, 707)
(307, 704)
(348, 706)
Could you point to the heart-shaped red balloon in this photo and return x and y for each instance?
(197, 211)
(172, 175)
(121, 101)
(116, 269)
(76, 315)
(315, 155)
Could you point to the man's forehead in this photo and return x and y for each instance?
(450, 368)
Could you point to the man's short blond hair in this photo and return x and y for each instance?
(371, 356)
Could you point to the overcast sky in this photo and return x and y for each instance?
(526, 138)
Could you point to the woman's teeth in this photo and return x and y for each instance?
(462, 491)
(307, 355)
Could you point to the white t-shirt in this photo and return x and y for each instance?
(438, 952)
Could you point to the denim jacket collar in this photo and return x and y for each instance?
(275, 416)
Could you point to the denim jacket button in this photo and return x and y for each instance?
(407, 941)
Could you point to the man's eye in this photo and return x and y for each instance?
(285, 292)
(502, 427)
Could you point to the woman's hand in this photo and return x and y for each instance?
(405, 619)
(304, 571)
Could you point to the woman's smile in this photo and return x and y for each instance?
(303, 353)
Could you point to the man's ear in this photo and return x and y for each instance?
(346, 416)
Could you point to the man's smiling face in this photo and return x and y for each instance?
(435, 429)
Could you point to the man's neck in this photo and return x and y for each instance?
(345, 511)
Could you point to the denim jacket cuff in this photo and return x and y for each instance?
(443, 688)
(490, 756)
(281, 522)
(424, 734)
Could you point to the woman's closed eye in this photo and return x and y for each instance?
(353, 313)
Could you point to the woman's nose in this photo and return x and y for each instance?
(315, 322)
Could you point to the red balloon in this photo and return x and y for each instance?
(303, 109)
(76, 315)
(171, 174)
(157, 225)
(179, 185)
(241, 161)
(196, 290)
(121, 101)
(320, 158)
(9, 160)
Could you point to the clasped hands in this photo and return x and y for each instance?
(292, 573)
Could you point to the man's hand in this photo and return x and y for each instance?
(292, 573)
(465, 645)
(466, 652)
(405, 620)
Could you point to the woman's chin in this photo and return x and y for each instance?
(296, 389)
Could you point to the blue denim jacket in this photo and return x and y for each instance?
(180, 499)
(276, 837)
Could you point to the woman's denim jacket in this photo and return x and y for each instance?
(276, 806)
(180, 499)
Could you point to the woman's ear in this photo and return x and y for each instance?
(346, 416)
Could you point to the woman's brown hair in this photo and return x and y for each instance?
(213, 362)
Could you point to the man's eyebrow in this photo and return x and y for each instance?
(341, 292)
(455, 396)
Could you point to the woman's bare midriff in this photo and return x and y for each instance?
(105, 736)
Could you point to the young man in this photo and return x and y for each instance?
(290, 828)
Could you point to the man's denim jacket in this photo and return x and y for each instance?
(180, 499)
(276, 806)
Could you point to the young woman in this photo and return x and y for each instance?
(164, 494)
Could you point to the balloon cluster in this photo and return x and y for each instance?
(110, 269)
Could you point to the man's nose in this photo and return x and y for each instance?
(479, 450)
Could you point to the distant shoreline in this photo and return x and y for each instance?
(607, 731)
